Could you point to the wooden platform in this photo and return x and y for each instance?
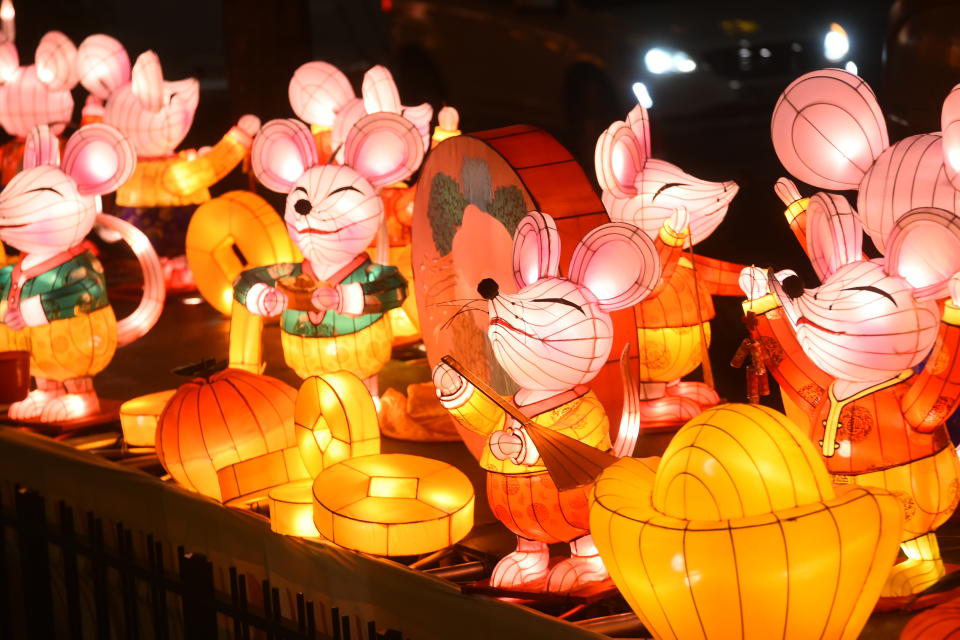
(109, 415)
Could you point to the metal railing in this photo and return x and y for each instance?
(136, 591)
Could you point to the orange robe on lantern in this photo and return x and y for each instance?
(524, 497)
(891, 435)
(670, 319)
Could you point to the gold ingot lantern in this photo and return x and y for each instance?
(139, 417)
(393, 504)
(249, 481)
(335, 419)
(236, 231)
(739, 533)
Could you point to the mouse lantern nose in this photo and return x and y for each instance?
(793, 286)
(488, 288)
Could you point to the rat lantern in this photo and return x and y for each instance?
(674, 322)
(53, 302)
(845, 352)
(332, 304)
(38, 94)
(155, 115)
(552, 337)
(322, 97)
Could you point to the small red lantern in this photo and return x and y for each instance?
(220, 419)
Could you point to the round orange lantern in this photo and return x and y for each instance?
(219, 420)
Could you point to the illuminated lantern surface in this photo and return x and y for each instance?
(828, 131)
(250, 481)
(448, 125)
(335, 419)
(552, 337)
(473, 191)
(53, 301)
(393, 504)
(156, 114)
(34, 95)
(939, 623)
(848, 354)
(238, 224)
(378, 94)
(230, 417)
(332, 304)
(291, 509)
(673, 323)
(317, 91)
(739, 532)
(139, 418)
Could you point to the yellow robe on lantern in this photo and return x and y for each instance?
(582, 418)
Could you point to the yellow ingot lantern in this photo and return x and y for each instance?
(236, 231)
(335, 419)
(291, 509)
(249, 481)
(393, 504)
(739, 533)
(139, 418)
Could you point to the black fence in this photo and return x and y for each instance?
(136, 593)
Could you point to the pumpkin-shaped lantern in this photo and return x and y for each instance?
(739, 532)
(222, 419)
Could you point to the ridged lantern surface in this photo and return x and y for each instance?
(740, 533)
(229, 417)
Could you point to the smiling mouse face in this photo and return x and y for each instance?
(863, 324)
(556, 333)
(49, 207)
(645, 192)
(871, 319)
(550, 335)
(333, 213)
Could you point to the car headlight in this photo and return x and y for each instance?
(836, 44)
(659, 61)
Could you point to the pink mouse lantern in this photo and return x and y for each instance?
(318, 92)
(847, 353)
(155, 115)
(332, 304)
(829, 132)
(34, 95)
(673, 324)
(54, 303)
(552, 337)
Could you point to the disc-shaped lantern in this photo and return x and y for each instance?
(739, 532)
(473, 191)
(236, 231)
(291, 509)
(393, 504)
(219, 420)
